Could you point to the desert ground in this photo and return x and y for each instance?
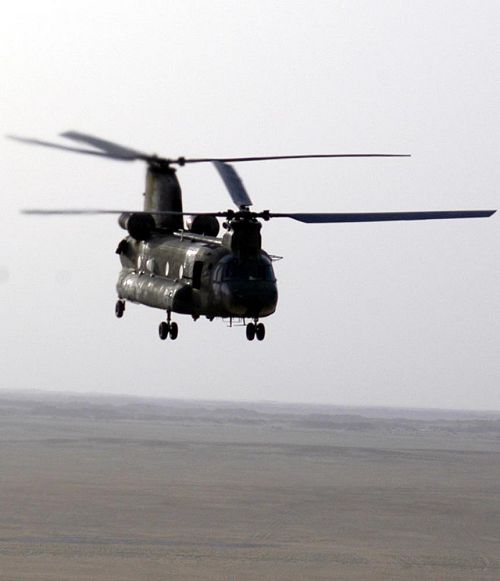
(122, 488)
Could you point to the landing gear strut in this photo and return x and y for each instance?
(120, 308)
(256, 329)
(167, 328)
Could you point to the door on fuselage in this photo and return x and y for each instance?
(197, 270)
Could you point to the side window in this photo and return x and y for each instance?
(197, 269)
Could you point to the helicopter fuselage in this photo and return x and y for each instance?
(172, 260)
(196, 275)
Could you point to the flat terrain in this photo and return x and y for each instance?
(108, 488)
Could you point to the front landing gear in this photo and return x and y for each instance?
(168, 328)
(163, 330)
(120, 308)
(255, 329)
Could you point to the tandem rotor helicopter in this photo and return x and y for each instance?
(175, 261)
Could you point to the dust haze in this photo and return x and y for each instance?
(108, 487)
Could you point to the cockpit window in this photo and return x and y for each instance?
(236, 270)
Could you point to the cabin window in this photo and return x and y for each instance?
(197, 268)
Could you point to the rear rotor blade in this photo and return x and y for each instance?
(108, 149)
(307, 156)
(65, 147)
(326, 218)
(233, 183)
(112, 149)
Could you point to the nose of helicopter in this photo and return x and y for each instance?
(250, 300)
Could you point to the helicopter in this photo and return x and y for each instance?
(176, 261)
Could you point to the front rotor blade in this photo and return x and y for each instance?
(233, 184)
(97, 211)
(30, 141)
(111, 148)
(307, 156)
(75, 212)
(324, 218)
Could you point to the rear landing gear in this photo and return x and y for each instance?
(167, 328)
(255, 329)
(120, 308)
(174, 331)
(251, 331)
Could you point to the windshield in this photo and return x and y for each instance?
(257, 270)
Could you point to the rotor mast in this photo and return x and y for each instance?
(163, 194)
(243, 237)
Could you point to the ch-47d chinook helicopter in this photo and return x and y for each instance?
(175, 261)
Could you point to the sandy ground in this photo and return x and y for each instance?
(125, 489)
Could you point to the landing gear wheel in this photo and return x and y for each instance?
(260, 331)
(119, 308)
(174, 331)
(163, 330)
(250, 331)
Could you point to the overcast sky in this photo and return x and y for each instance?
(377, 314)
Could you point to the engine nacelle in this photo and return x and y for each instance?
(207, 225)
(139, 225)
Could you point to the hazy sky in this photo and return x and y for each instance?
(376, 314)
